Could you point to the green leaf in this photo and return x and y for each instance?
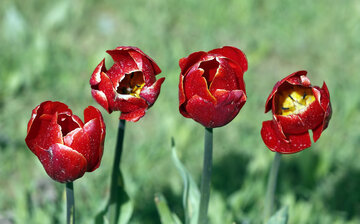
(191, 195)
(126, 205)
(280, 217)
(166, 216)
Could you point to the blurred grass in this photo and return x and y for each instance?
(48, 50)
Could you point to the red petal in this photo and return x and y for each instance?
(95, 77)
(234, 54)
(195, 84)
(96, 133)
(151, 93)
(182, 97)
(104, 93)
(123, 64)
(43, 133)
(144, 65)
(293, 79)
(128, 103)
(131, 49)
(212, 116)
(62, 163)
(189, 61)
(273, 139)
(225, 78)
(133, 116)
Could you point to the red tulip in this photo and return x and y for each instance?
(297, 107)
(66, 147)
(211, 88)
(129, 85)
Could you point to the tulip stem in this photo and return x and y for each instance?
(206, 177)
(70, 203)
(116, 178)
(271, 187)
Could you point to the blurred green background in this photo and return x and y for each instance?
(48, 50)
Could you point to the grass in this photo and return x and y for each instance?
(49, 49)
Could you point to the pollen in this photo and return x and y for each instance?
(294, 100)
(131, 84)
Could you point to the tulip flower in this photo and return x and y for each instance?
(129, 85)
(297, 107)
(66, 147)
(211, 88)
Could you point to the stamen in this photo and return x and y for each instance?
(285, 108)
(291, 97)
(304, 95)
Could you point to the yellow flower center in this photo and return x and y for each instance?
(132, 84)
(294, 100)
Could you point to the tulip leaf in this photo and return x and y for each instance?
(280, 217)
(126, 205)
(191, 194)
(166, 216)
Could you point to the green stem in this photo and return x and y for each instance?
(206, 176)
(271, 187)
(70, 203)
(116, 179)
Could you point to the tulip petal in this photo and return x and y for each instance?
(95, 129)
(234, 54)
(293, 79)
(210, 115)
(62, 163)
(123, 64)
(43, 133)
(192, 59)
(144, 66)
(182, 98)
(272, 138)
(104, 92)
(133, 116)
(151, 93)
(96, 75)
(195, 84)
(225, 78)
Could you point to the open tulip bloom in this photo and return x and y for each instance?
(211, 88)
(129, 85)
(297, 107)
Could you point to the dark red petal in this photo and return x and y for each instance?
(212, 116)
(33, 116)
(43, 133)
(133, 116)
(273, 139)
(123, 64)
(189, 61)
(96, 75)
(128, 103)
(182, 98)
(104, 93)
(293, 79)
(195, 84)
(96, 130)
(62, 163)
(151, 93)
(145, 66)
(225, 78)
(325, 104)
(234, 54)
(154, 65)
(201, 111)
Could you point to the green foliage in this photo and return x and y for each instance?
(48, 50)
(280, 217)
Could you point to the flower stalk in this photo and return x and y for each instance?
(116, 179)
(271, 187)
(70, 203)
(206, 176)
